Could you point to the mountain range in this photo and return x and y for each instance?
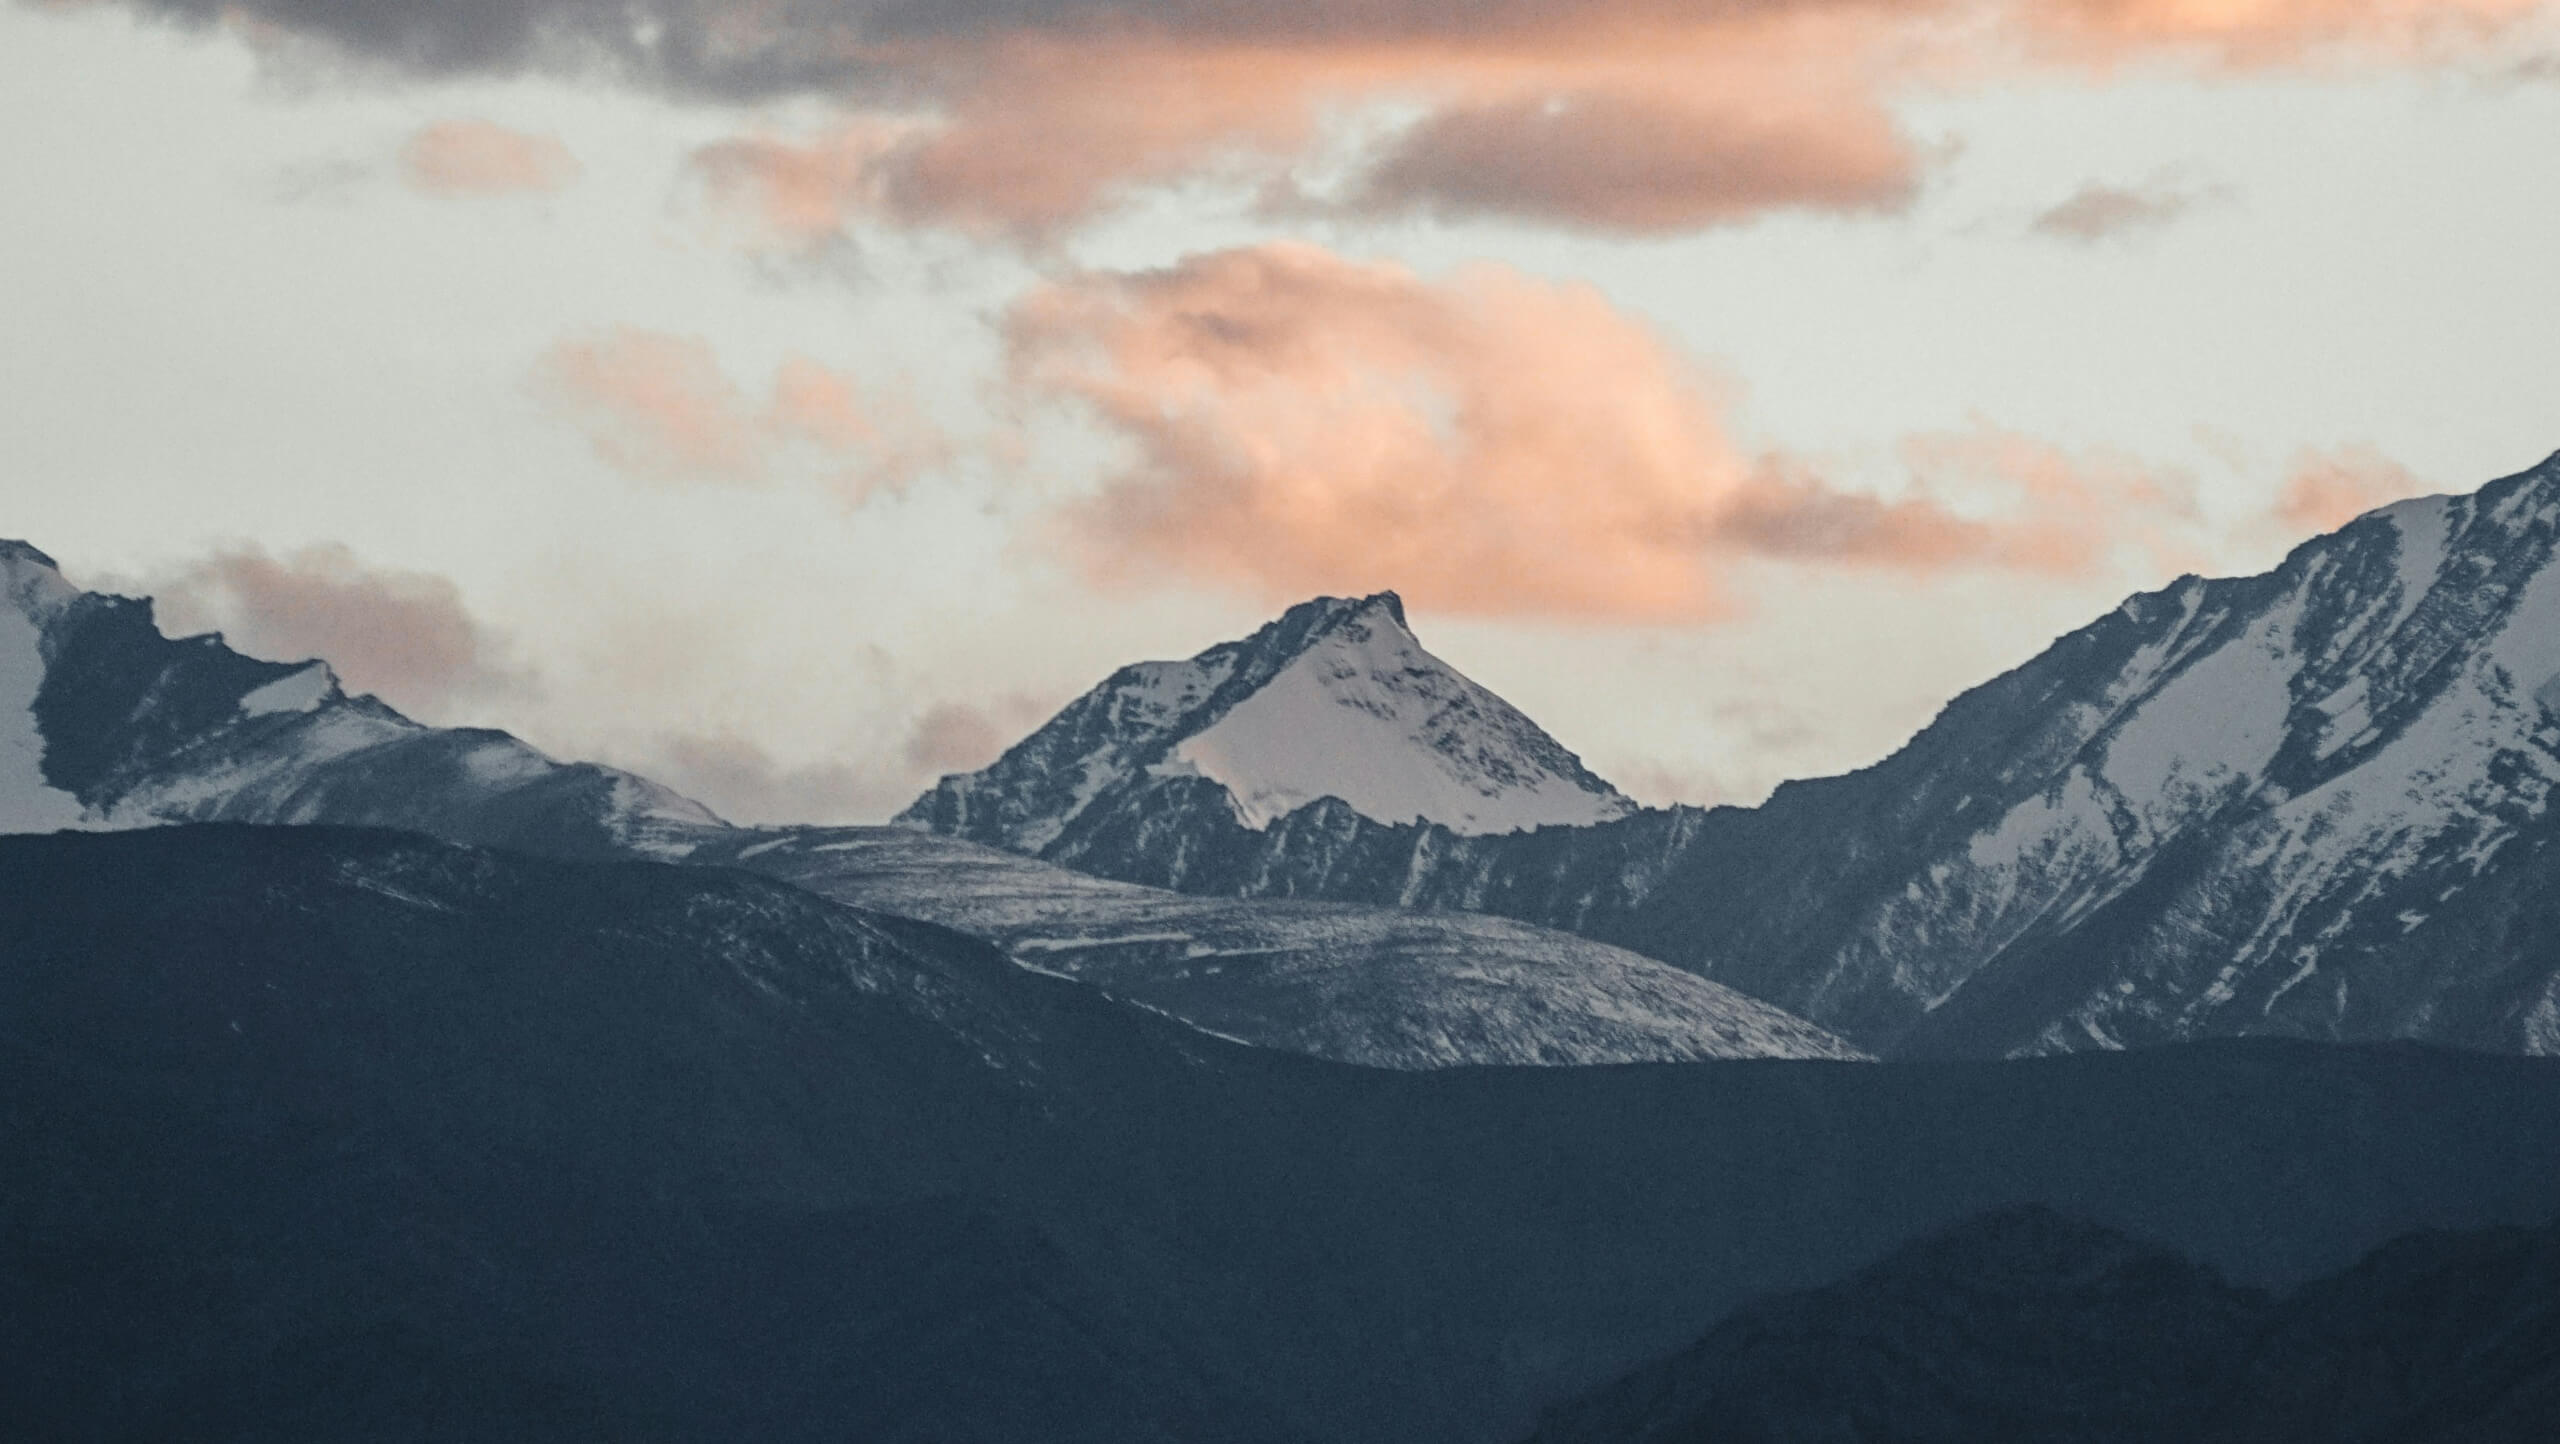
(105, 722)
(363, 1078)
(2313, 802)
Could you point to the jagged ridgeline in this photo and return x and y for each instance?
(104, 722)
(2314, 802)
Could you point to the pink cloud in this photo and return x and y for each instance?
(1021, 117)
(2328, 489)
(1491, 443)
(1620, 162)
(403, 635)
(478, 158)
(660, 407)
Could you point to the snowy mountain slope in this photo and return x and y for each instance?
(32, 593)
(117, 726)
(2227, 807)
(1335, 699)
(1375, 986)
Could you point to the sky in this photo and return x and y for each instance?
(794, 400)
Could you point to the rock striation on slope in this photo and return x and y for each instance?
(2313, 802)
(106, 723)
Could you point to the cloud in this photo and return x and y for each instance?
(1295, 421)
(1642, 164)
(957, 737)
(479, 158)
(740, 779)
(405, 636)
(1021, 118)
(2275, 32)
(658, 406)
(737, 778)
(2098, 211)
(2328, 489)
(1302, 423)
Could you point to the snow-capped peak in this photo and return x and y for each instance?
(1334, 699)
(1364, 714)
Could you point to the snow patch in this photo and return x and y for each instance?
(2222, 717)
(2426, 525)
(28, 803)
(303, 691)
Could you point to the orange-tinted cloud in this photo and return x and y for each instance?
(403, 635)
(2268, 32)
(2328, 489)
(1624, 115)
(1023, 117)
(478, 158)
(1298, 422)
(1642, 163)
(655, 405)
(2056, 510)
(956, 737)
(659, 407)
(1304, 423)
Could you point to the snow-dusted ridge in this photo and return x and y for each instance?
(1381, 987)
(1335, 700)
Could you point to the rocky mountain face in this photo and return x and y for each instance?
(106, 723)
(2025, 1325)
(2314, 802)
(317, 1133)
(1335, 700)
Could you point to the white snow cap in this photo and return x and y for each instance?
(1364, 714)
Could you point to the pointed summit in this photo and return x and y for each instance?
(31, 581)
(1334, 700)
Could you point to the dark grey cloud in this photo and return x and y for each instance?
(755, 49)
(738, 50)
(2099, 212)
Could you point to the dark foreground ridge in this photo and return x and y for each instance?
(312, 1133)
(2025, 1325)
